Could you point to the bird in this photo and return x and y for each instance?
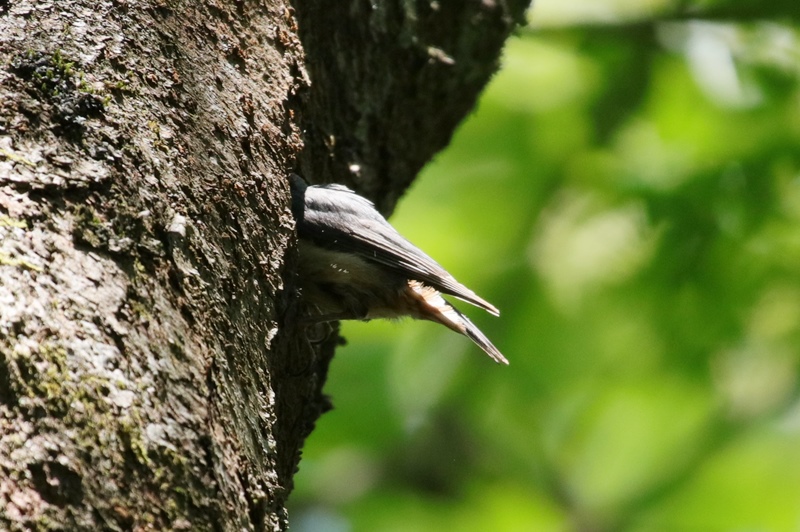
(353, 265)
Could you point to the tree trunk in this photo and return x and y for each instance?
(152, 374)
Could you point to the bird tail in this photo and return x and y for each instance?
(465, 294)
(433, 307)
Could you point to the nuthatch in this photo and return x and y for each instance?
(355, 266)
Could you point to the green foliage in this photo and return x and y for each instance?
(628, 194)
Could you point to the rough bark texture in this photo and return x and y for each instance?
(391, 81)
(151, 372)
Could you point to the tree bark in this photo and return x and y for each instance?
(152, 371)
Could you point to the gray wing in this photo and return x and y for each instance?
(335, 217)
